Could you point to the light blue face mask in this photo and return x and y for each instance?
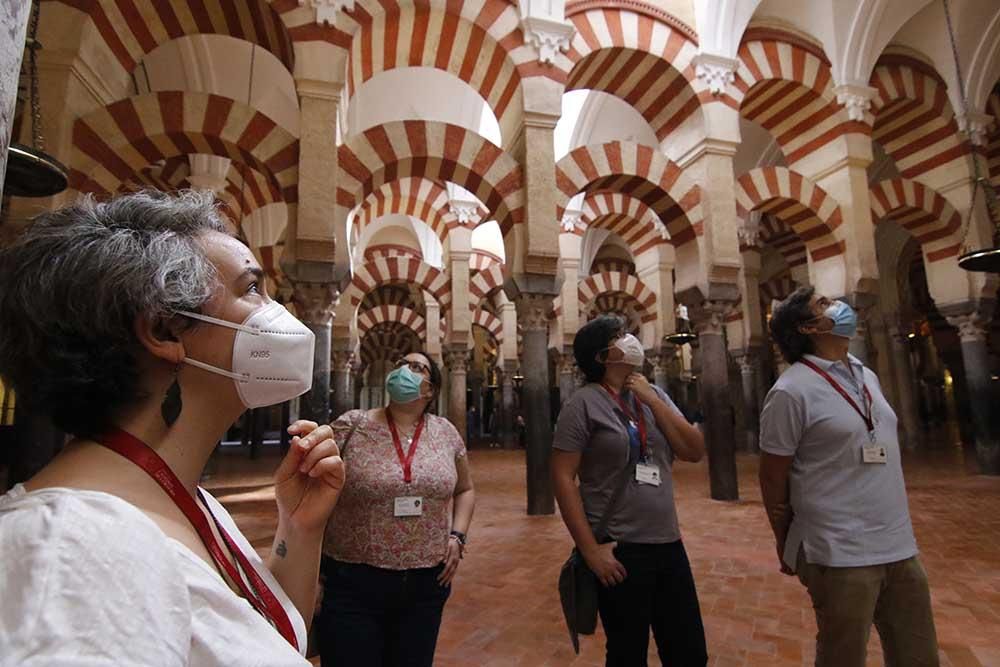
(845, 320)
(403, 385)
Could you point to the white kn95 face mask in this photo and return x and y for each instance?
(272, 355)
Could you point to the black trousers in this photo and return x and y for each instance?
(658, 592)
(371, 617)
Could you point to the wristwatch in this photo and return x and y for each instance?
(460, 536)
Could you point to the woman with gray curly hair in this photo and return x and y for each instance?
(144, 329)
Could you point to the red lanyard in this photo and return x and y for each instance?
(638, 420)
(405, 461)
(261, 597)
(866, 416)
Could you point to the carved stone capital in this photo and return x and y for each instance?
(977, 126)
(709, 317)
(342, 361)
(533, 311)
(716, 71)
(749, 234)
(457, 360)
(315, 301)
(972, 327)
(547, 36)
(856, 99)
(571, 221)
(325, 11)
(467, 212)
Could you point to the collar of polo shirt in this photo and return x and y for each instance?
(826, 364)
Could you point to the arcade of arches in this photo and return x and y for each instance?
(478, 179)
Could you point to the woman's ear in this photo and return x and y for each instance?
(159, 339)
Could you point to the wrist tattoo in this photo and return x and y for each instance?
(282, 550)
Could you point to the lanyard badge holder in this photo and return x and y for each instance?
(872, 453)
(646, 472)
(406, 506)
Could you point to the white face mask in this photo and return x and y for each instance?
(632, 350)
(272, 355)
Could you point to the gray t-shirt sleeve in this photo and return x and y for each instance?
(666, 399)
(781, 423)
(573, 427)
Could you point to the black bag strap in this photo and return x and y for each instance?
(354, 427)
(620, 484)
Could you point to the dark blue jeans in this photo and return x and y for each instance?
(373, 617)
(658, 592)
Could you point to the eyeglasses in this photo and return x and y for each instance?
(415, 366)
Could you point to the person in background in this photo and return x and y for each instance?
(399, 531)
(832, 483)
(471, 424)
(619, 428)
(144, 328)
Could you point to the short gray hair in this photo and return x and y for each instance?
(72, 286)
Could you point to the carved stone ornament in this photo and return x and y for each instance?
(315, 301)
(326, 10)
(710, 317)
(533, 310)
(457, 361)
(467, 212)
(971, 327)
(749, 234)
(549, 37)
(716, 71)
(855, 99)
(977, 126)
(343, 361)
(571, 220)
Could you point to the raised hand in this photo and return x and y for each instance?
(309, 480)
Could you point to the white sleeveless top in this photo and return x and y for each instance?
(88, 579)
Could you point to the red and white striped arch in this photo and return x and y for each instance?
(784, 84)
(640, 172)
(626, 216)
(640, 54)
(391, 250)
(133, 28)
(484, 283)
(388, 341)
(369, 319)
(420, 198)
(777, 288)
(914, 120)
(114, 143)
(798, 202)
(777, 234)
(447, 37)
(920, 210)
(607, 283)
(480, 260)
(490, 322)
(435, 151)
(389, 270)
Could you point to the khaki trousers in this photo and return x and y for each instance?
(895, 596)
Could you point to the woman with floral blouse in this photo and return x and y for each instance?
(398, 533)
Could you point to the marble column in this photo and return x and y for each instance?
(531, 313)
(14, 24)
(860, 345)
(343, 395)
(661, 367)
(507, 403)
(314, 303)
(709, 323)
(749, 362)
(973, 332)
(906, 399)
(475, 380)
(457, 360)
(567, 381)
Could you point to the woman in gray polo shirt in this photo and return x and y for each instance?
(620, 430)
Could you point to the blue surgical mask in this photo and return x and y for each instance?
(845, 320)
(403, 385)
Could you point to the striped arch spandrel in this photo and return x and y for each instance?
(421, 198)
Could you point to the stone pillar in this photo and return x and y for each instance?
(507, 401)
(316, 220)
(860, 346)
(709, 323)
(567, 381)
(661, 367)
(343, 393)
(475, 380)
(314, 303)
(973, 330)
(749, 362)
(14, 19)
(905, 381)
(457, 360)
(531, 311)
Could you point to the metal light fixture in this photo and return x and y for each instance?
(31, 172)
(680, 338)
(985, 259)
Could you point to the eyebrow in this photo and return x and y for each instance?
(254, 271)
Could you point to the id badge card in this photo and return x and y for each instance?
(874, 453)
(647, 473)
(409, 506)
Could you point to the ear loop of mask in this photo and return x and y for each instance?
(222, 323)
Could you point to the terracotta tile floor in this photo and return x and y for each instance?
(505, 611)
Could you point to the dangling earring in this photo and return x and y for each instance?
(170, 409)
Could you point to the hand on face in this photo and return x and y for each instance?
(308, 482)
(639, 385)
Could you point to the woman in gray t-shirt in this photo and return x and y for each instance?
(620, 431)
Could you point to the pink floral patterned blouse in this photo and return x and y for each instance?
(362, 528)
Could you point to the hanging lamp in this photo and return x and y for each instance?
(985, 260)
(31, 172)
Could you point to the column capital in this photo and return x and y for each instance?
(342, 360)
(325, 11)
(548, 36)
(467, 212)
(972, 327)
(457, 359)
(976, 125)
(716, 71)
(709, 317)
(318, 89)
(856, 98)
(533, 311)
(315, 301)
